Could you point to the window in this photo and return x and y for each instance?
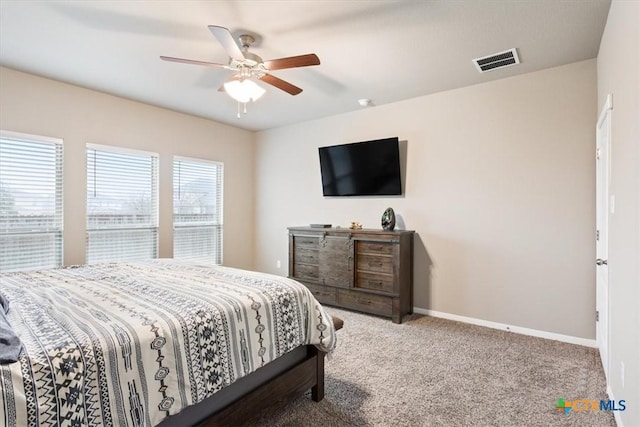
(197, 210)
(30, 202)
(122, 204)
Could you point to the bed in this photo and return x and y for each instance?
(158, 342)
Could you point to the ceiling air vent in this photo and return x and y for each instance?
(497, 60)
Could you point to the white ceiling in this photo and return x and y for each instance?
(383, 50)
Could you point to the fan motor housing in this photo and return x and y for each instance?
(251, 59)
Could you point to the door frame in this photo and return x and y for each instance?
(603, 175)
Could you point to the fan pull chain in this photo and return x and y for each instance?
(244, 111)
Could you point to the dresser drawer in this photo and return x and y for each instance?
(380, 248)
(304, 255)
(374, 263)
(306, 241)
(305, 272)
(375, 304)
(374, 281)
(324, 294)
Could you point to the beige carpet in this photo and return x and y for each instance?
(435, 372)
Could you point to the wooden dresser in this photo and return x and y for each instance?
(365, 270)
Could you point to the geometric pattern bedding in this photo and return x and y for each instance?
(128, 344)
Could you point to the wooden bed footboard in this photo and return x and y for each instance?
(309, 374)
(272, 385)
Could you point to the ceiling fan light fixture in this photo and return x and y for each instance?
(244, 90)
(248, 66)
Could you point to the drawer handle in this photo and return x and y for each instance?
(375, 284)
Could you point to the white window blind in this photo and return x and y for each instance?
(197, 210)
(122, 205)
(30, 202)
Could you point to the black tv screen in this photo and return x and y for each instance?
(369, 168)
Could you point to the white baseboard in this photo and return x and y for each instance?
(503, 327)
(616, 414)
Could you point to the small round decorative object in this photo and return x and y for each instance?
(388, 219)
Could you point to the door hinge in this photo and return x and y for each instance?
(597, 234)
(597, 316)
(598, 153)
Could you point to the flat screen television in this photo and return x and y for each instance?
(368, 168)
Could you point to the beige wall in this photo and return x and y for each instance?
(40, 106)
(500, 188)
(619, 75)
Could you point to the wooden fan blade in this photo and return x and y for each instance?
(281, 84)
(191, 61)
(292, 62)
(225, 38)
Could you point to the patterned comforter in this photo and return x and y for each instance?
(132, 343)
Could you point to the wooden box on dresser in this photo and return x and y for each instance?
(365, 270)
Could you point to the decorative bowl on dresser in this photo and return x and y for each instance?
(365, 270)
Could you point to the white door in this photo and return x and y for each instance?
(602, 234)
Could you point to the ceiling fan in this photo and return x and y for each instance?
(249, 66)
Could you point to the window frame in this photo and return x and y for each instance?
(58, 197)
(155, 203)
(217, 223)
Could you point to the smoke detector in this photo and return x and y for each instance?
(497, 61)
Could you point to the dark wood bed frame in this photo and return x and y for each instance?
(272, 385)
